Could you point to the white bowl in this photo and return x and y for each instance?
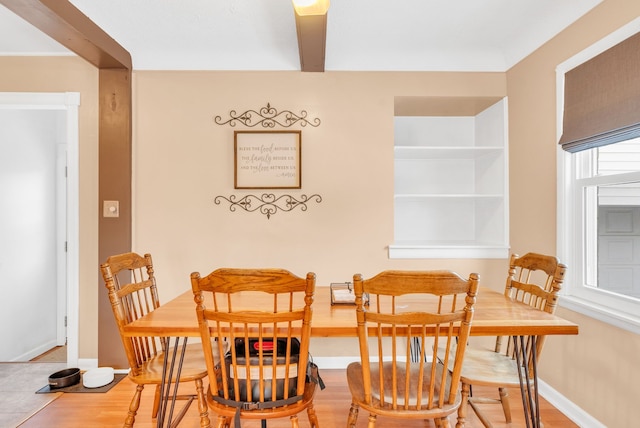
(95, 378)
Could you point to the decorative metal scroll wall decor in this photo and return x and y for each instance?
(268, 117)
(268, 203)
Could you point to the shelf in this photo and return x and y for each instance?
(420, 196)
(448, 250)
(410, 153)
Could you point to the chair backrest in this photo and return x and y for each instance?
(265, 315)
(534, 279)
(410, 315)
(131, 285)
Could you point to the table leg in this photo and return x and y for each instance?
(530, 400)
(166, 395)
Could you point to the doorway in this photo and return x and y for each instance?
(39, 250)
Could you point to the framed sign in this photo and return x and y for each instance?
(267, 159)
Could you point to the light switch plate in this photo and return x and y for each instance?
(111, 209)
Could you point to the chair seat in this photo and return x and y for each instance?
(193, 367)
(486, 367)
(355, 381)
(483, 366)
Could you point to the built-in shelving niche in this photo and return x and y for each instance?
(451, 178)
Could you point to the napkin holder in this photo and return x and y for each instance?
(342, 294)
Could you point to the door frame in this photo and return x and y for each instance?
(68, 283)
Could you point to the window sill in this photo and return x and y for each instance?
(601, 313)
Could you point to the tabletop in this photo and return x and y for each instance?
(494, 315)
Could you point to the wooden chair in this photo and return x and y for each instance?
(133, 293)
(261, 313)
(400, 376)
(535, 280)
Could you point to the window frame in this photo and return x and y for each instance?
(573, 222)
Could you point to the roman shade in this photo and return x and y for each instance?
(602, 98)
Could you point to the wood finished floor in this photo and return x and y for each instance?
(57, 354)
(332, 407)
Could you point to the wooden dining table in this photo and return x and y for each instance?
(494, 315)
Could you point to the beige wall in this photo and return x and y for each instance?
(183, 160)
(598, 369)
(71, 74)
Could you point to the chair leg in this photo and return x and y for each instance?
(222, 422)
(133, 407)
(506, 407)
(353, 416)
(203, 409)
(462, 410)
(442, 423)
(313, 418)
(156, 403)
(372, 421)
(294, 421)
(483, 419)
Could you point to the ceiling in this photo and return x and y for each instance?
(361, 35)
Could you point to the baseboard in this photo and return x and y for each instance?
(334, 362)
(33, 353)
(567, 407)
(92, 363)
(87, 363)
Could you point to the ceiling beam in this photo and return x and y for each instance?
(63, 22)
(312, 40)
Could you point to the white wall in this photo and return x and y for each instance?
(27, 233)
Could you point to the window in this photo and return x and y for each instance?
(599, 211)
(603, 229)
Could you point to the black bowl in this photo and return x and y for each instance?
(66, 377)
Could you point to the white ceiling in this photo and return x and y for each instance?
(384, 35)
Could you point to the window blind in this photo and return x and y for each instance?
(602, 98)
